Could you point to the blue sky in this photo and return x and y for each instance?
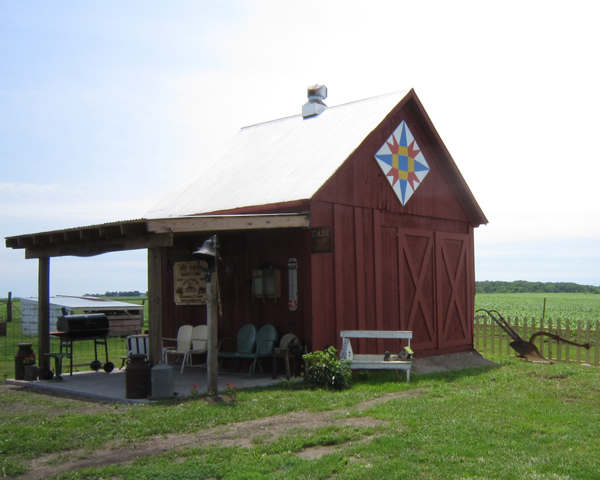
(107, 106)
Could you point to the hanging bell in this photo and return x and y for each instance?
(207, 256)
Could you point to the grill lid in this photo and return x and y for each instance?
(93, 324)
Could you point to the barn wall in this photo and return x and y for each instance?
(390, 272)
(241, 253)
(175, 316)
(395, 267)
(322, 286)
(360, 182)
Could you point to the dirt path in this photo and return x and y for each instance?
(236, 434)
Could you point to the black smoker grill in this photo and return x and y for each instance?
(92, 326)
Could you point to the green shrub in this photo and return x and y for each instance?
(325, 370)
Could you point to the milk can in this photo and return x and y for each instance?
(25, 350)
(138, 380)
(162, 381)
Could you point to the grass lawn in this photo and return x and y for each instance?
(517, 421)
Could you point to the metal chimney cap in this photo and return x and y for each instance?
(315, 105)
(319, 91)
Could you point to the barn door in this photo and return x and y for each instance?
(423, 279)
(452, 271)
(417, 286)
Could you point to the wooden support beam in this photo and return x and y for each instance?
(90, 234)
(228, 222)
(155, 306)
(41, 239)
(111, 231)
(89, 249)
(44, 313)
(25, 242)
(212, 321)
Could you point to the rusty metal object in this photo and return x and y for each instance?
(527, 349)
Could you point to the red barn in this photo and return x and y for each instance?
(348, 217)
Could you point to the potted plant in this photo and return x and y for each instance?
(31, 369)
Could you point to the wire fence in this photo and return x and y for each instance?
(12, 333)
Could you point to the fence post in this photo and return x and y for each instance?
(484, 328)
(493, 337)
(9, 308)
(508, 340)
(567, 349)
(588, 334)
(476, 332)
(541, 336)
(558, 345)
(578, 335)
(500, 338)
(597, 345)
(549, 357)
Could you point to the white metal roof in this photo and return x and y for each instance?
(87, 303)
(279, 161)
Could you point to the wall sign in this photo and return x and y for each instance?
(190, 286)
(320, 241)
(402, 162)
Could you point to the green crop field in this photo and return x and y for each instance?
(563, 306)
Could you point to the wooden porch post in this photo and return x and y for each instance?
(44, 313)
(212, 316)
(155, 305)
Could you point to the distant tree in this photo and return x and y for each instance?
(522, 286)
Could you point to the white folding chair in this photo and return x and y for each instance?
(199, 343)
(183, 341)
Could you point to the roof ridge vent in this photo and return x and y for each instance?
(315, 105)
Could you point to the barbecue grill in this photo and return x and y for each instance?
(94, 326)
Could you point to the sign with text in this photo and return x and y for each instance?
(320, 241)
(190, 286)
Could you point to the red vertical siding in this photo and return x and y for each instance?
(323, 304)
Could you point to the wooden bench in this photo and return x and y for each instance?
(374, 362)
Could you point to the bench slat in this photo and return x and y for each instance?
(376, 334)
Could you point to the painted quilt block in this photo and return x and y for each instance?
(402, 162)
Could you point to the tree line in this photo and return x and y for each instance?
(134, 293)
(522, 286)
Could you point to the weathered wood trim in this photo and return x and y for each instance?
(227, 222)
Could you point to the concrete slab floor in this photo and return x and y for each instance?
(110, 387)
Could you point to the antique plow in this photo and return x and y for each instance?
(527, 349)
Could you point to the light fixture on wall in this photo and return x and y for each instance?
(266, 283)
